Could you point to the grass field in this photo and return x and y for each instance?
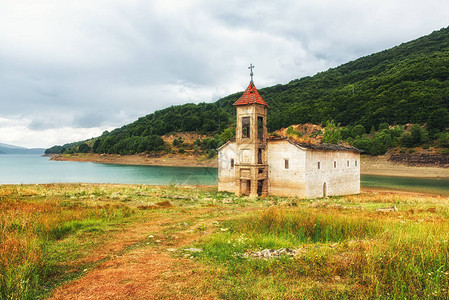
(54, 239)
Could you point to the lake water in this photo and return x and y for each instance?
(18, 169)
(423, 185)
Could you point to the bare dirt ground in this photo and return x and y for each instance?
(370, 165)
(380, 165)
(139, 263)
(173, 160)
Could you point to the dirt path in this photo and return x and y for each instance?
(139, 263)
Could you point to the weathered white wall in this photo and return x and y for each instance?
(286, 182)
(303, 178)
(340, 180)
(226, 174)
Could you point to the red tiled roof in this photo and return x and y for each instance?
(250, 96)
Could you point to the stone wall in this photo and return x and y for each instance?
(338, 173)
(282, 181)
(293, 171)
(226, 173)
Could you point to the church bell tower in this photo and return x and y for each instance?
(251, 140)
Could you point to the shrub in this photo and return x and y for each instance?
(345, 133)
(380, 143)
(211, 153)
(178, 142)
(364, 144)
(84, 148)
(443, 140)
(358, 130)
(226, 135)
(292, 132)
(419, 135)
(383, 126)
(332, 133)
(396, 131)
(438, 119)
(406, 140)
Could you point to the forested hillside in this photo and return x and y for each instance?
(406, 84)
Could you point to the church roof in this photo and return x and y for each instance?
(250, 96)
(323, 146)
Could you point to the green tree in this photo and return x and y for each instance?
(292, 132)
(358, 130)
(54, 150)
(84, 148)
(443, 139)
(226, 135)
(438, 119)
(380, 143)
(345, 133)
(419, 135)
(332, 133)
(96, 146)
(178, 142)
(363, 143)
(406, 140)
(383, 126)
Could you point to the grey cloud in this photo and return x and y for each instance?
(43, 123)
(105, 63)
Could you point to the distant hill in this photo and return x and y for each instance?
(10, 149)
(408, 83)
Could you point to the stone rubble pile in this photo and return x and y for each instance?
(271, 253)
(193, 250)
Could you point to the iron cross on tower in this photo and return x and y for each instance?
(251, 67)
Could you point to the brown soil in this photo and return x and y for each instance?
(421, 159)
(131, 265)
(187, 137)
(309, 133)
(381, 165)
(173, 160)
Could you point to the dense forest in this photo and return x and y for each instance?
(405, 84)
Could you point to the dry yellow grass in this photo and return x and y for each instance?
(113, 239)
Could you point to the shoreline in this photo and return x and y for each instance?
(168, 160)
(378, 166)
(381, 166)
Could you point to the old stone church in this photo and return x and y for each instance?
(254, 164)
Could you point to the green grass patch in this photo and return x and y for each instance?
(340, 253)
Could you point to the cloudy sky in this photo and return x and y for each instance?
(71, 69)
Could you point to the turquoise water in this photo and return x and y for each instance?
(17, 169)
(423, 185)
